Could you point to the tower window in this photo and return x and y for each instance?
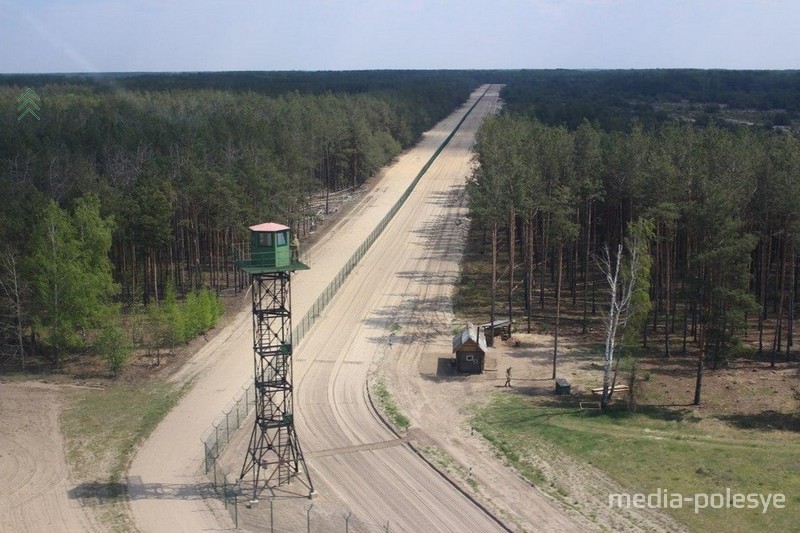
(265, 239)
(282, 238)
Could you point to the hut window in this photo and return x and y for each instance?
(469, 357)
(265, 239)
(281, 238)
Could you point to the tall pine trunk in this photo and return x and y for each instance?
(494, 284)
(698, 386)
(529, 260)
(667, 288)
(558, 306)
(792, 282)
(586, 266)
(543, 266)
(776, 344)
(705, 311)
(511, 259)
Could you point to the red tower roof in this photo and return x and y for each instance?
(268, 226)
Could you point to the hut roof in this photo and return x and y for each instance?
(499, 323)
(268, 226)
(470, 332)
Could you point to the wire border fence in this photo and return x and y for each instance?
(214, 445)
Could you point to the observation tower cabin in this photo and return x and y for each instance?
(272, 250)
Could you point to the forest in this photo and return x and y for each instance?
(616, 99)
(722, 205)
(131, 196)
(133, 193)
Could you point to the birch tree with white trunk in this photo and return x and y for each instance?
(13, 294)
(626, 273)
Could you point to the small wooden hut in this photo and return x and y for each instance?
(469, 348)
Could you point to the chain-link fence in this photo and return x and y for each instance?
(221, 433)
(321, 302)
(224, 428)
(312, 518)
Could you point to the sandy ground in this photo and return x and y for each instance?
(172, 456)
(34, 486)
(441, 401)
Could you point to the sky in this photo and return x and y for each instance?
(39, 36)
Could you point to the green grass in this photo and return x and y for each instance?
(386, 403)
(449, 465)
(102, 429)
(667, 449)
(446, 462)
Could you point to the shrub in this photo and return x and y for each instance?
(113, 346)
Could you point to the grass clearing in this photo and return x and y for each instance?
(449, 465)
(102, 429)
(670, 449)
(743, 438)
(387, 404)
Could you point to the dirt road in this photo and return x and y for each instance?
(35, 491)
(169, 464)
(388, 484)
(383, 314)
(396, 298)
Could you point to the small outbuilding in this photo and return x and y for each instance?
(498, 327)
(469, 348)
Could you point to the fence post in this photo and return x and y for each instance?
(271, 515)
(235, 509)
(225, 490)
(227, 427)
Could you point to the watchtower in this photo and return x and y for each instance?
(274, 455)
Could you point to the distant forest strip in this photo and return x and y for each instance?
(171, 177)
(616, 99)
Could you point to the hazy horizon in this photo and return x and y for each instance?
(148, 36)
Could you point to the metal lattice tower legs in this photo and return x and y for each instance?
(274, 455)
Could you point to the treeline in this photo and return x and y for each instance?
(178, 174)
(613, 98)
(59, 296)
(725, 208)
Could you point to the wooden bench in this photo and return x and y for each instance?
(617, 388)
